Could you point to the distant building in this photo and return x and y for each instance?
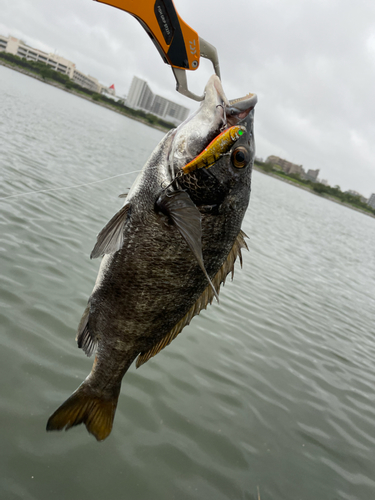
(287, 166)
(18, 48)
(371, 201)
(140, 96)
(324, 182)
(87, 81)
(355, 193)
(292, 168)
(312, 175)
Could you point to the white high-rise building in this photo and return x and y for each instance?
(140, 96)
(371, 201)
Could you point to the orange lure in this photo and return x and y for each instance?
(218, 147)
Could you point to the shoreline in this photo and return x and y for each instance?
(306, 188)
(162, 129)
(78, 94)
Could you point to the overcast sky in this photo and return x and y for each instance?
(312, 64)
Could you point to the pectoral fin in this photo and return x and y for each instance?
(181, 209)
(111, 237)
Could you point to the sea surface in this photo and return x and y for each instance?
(269, 394)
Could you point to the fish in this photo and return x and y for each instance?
(166, 252)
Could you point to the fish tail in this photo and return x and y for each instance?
(86, 407)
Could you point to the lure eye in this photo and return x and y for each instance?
(240, 157)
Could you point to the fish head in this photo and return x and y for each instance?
(228, 177)
(226, 181)
(199, 129)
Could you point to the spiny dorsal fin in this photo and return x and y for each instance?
(111, 237)
(202, 302)
(85, 339)
(182, 210)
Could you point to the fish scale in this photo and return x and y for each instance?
(165, 255)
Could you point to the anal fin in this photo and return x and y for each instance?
(85, 339)
(202, 302)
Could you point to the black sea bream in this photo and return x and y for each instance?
(165, 253)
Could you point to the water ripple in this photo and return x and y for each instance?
(273, 387)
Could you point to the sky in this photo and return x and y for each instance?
(311, 63)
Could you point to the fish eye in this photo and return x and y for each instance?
(240, 157)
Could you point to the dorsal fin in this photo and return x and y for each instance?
(202, 302)
(111, 237)
(187, 218)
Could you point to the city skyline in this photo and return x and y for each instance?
(139, 96)
(312, 66)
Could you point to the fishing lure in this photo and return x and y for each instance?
(217, 148)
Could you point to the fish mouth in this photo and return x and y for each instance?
(231, 111)
(234, 110)
(238, 109)
(215, 115)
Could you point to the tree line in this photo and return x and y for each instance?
(47, 73)
(318, 187)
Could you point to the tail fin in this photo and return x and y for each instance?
(83, 406)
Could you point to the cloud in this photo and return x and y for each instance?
(312, 65)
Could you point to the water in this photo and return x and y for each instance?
(271, 389)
